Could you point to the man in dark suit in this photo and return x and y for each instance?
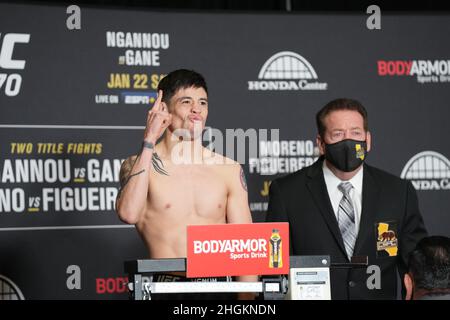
(342, 207)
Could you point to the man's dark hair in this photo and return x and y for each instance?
(180, 79)
(340, 104)
(429, 264)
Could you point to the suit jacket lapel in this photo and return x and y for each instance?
(370, 199)
(319, 193)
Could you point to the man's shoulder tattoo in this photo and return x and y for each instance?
(158, 164)
(243, 180)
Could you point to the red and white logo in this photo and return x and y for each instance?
(111, 285)
(237, 249)
(426, 71)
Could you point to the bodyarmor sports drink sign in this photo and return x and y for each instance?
(237, 249)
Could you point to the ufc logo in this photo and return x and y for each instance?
(7, 49)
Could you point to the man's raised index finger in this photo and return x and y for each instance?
(157, 104)
(158, 101)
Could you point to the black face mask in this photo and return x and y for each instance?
(346, 155)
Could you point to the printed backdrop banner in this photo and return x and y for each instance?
(73, 105)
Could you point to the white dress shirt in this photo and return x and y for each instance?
(336, 195)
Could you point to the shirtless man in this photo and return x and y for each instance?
(160, 195)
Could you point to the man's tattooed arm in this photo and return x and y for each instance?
(125, 174)
(127, 168)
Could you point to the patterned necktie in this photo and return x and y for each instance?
(346, 218)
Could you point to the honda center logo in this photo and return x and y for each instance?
(428, 170)
(287, 71)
